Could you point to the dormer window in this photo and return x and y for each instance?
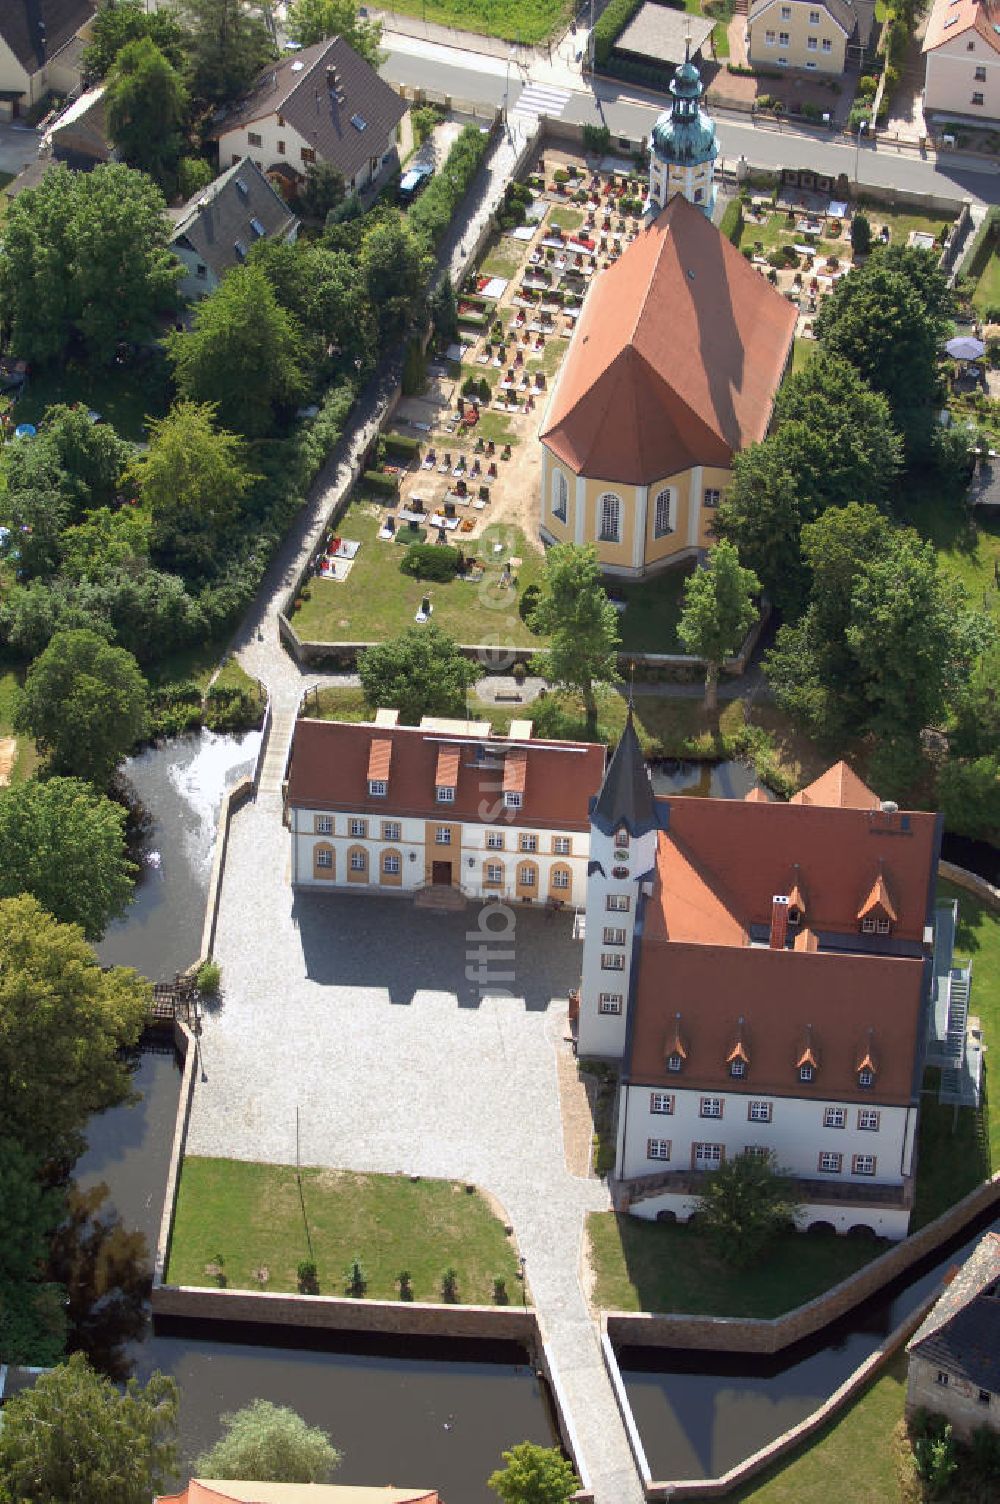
(738, 1059)
(445, 793)
(805, 1072)
(866, 1078)
(883, 926)
(674, 1061)
(868, 926)
(794, 915)
(621, 837)
(511, 799)
(738, 1069)
(377, 788)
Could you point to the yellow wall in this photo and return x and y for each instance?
(796, 54)
(611, 553)
(714, 480)
(675, 542)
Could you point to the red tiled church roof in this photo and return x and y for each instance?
(676, 360)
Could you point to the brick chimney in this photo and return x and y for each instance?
(779, 921)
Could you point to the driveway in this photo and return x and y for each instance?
(18, 147)
(376, 1022)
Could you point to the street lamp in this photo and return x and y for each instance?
(524, 1283)
(862, 128)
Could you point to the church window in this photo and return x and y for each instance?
(609, 509)
(560, 495)
(663, 521)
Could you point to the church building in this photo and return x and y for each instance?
(772, 978)
(673, 368)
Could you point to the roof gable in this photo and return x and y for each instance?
(962, 1331)
(676, 358)
(952, 20)
(841, 12)
(221, 222)
(35, 30)
(840, 788)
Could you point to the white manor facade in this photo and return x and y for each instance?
(446, 805)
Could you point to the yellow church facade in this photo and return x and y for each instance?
(672, 370)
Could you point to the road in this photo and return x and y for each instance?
(485, 79)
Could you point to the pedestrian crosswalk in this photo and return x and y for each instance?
(540, 99)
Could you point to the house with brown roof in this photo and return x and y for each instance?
(235, 1491)
(214, 230)
(954, 1367)
(447, 805)
(765, 973)
(962, 61)
(673, 368)
(41, 44)
(324, 103)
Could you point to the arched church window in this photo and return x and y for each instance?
(609, 513)
(663, 514)
(560, 495)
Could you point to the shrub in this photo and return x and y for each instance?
(433, 212)
(208, 978)
(424, 120)
(402, 444)
(377, 480)
(500, 1296)
(405, 1283)
(193, 174)
(936, 1458)
(431, 561)
(414, 369)
(596, 139)
(449, 1286)
(356, 1280)
(609, 28)
(861, 234)
(308, 1278)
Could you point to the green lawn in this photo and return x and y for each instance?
(660, 1266)
(567, 219)
(124, 396)
(776, 231)
(978, 939)
(649, 622)
(254, 1215)
(501, 260)
(802, 353)
(510, 19)
(969, 550)
(854, 1458)
(987, 293)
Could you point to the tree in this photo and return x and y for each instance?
(63, 1022)
(32, 1323)
(325, 293)
(268, 1443)
(395, 266)
(834, 443)
(421, 672)
(74, 1435)
(227, 45)
(861, 234)
(84, 702)
(534, 1475)
(85, 256)
(192, 479)
(877, 319)
(322, 190)
(105, 543)
(581, 623)
(65, 845)
(312, 21)
(145, 104)
(444, 309)
(82, 460)
(243, 352)
(718, 612)
(128, 21)
(744, 1204)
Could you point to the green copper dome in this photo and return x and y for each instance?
(684, 135)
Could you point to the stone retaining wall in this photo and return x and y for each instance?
(971, 882)
(187, 1046)
(335, 1313)
(739, 1334)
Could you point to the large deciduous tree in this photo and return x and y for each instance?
(192, 479)
(85, 257)
(743, 1205)
(718, 612)
(145, 104)
(85, 703)
(32, 1320)
(128, 21)
(534, 1475)
(242, 352)
(63, 1023)
(421, 672)
(269, 1444)
(580, 622)
(227, 44)
(395, 266)
(75, 1436)
(65, 845)
(312, 21)
(833, 443)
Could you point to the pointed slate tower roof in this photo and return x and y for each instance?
(626, 796)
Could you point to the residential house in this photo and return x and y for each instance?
(818, 36)
(962, 61)
(673, 368)
(217, 226)
(230, 1491)
(764, 973)
(41, 42)
(322, 104)
(955, 1354)
(448, 804)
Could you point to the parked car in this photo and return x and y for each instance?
(413, 180)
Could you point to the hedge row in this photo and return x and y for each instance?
(401, 443)
(732, 221)
(435, 209)
(432, 561)
(377, 480)
(647, 74)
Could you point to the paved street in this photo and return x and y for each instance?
(482, 78)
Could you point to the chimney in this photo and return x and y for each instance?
(779, 921)
(332, 81)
